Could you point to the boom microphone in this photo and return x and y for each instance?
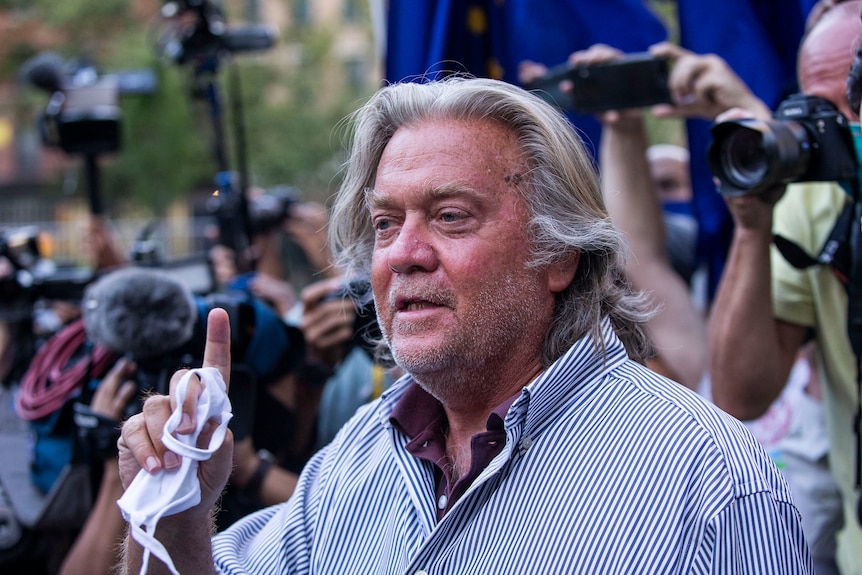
(139, 311)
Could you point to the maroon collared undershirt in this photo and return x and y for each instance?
(421, 417)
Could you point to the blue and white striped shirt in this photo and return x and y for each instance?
(607, 468)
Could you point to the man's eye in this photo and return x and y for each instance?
(382, 224)
(451, 216)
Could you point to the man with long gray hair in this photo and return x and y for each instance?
(527, 435)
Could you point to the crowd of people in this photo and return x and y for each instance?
(293, 284)
(505, 363)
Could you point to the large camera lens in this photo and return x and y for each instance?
(744, 158)
(750, 156)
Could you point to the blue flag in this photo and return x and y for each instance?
(489, 38)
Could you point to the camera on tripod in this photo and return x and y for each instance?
(197, 31)
(83, 113)
(809, 140)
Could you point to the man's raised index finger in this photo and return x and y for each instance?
(217, 349)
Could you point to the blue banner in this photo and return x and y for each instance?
(489, 38)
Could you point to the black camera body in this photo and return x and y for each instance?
(271, 209)
(200, 33)
(83, 115)
(33, 277)
(84, 119)
(808, 140)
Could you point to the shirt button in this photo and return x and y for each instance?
(441, 503)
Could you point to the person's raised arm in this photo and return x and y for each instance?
(186, 535)
(678, 329)
(751, 352)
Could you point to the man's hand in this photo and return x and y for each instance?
(141, 445)
(751, 212)
(704, 86)
(529, 71)
(327, 322)
(114, 391)
(275, 291)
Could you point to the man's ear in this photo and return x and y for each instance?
(561, 273)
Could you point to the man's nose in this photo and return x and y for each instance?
(412, 250)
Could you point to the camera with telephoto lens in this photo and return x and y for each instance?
(808, 140)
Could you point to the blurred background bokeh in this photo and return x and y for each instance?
(280, 111)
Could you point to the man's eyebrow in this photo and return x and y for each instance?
(373, 199)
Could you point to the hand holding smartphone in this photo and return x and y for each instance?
(637, 80)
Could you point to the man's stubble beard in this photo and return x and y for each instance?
(466, 365)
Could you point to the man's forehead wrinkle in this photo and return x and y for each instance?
(428, 190)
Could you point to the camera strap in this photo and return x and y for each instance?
(836, 250)
(854, 328)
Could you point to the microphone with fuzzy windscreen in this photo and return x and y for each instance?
(139, 311)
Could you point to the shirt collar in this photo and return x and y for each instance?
(571, 377)
(417, 410)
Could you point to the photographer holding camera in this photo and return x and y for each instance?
(631, 191)
(766, 308)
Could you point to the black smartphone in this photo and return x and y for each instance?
(637, 80)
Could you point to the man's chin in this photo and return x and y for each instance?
(419, 360)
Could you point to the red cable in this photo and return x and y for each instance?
(49, 382)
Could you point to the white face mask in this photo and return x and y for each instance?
(151, 496)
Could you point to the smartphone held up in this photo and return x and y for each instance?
(637, 80)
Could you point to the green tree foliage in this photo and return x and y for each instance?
(164, 151)
(83, 15)
(287, 112)
(291, 118)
